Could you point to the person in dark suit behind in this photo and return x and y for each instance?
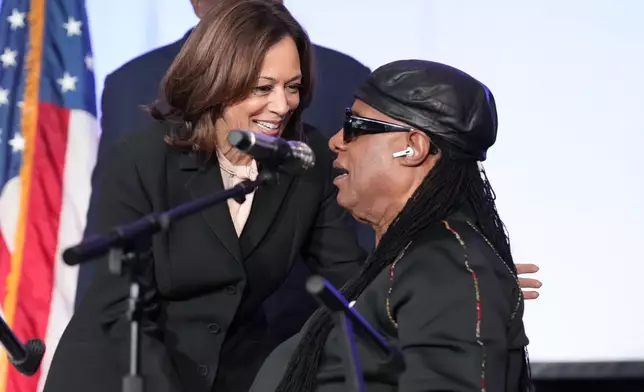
(441, 284)
(247, 65)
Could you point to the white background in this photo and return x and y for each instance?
(568, 77)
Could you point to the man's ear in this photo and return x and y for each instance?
(419, 146)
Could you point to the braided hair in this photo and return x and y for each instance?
(450, 185)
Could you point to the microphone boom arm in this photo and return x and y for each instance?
(125, 236)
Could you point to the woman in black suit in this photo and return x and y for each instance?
(441, 284)
(208, 324)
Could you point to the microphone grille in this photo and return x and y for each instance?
(304, 154)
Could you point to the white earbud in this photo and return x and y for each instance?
(407, 152)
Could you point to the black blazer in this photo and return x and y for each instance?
(205, 289)
(137, 83)
(451, 306)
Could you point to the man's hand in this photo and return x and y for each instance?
(527, 283)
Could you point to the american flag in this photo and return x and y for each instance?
(48, 142)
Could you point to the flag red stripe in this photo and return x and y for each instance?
(41, 237)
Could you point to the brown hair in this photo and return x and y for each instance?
(220, 64)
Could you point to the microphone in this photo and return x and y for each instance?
(289, 156)
(25, 358)
(329, 297)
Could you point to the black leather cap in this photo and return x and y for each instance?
(437, 99)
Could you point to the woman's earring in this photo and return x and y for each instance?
(408, 152)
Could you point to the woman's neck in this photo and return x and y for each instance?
(237, 158)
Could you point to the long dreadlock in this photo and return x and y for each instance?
(448, 186)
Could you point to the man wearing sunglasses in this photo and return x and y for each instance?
(355, 126)
(441, 285)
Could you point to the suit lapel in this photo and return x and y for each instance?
(205, 181)
(266, 204)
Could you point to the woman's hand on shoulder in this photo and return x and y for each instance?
(528, 283)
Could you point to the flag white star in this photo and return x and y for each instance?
(17, 143)
(16, 19)
(67, 82)
(89, 62)
(4, 96)
(73, 27)
(8, 58)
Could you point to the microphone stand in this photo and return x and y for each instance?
(352, 366)
(123, 244)
(346, 318)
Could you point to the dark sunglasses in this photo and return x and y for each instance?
(355, 126)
